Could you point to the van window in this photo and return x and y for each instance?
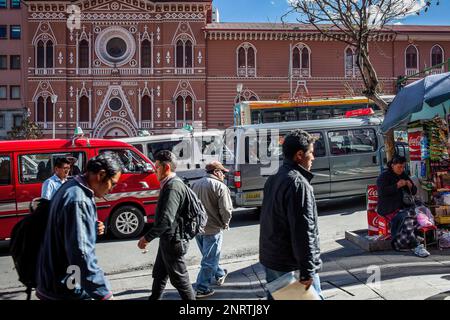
(5, 170)
(36, 168)
(354, 141)
(181, 148)
(139, 147)
(131, 161)
(209, 145)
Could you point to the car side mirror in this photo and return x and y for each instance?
(148, 168)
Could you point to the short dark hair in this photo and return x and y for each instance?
(60, 162)
(107, 161)
(396, 159)
(295, 141)
(167, 157)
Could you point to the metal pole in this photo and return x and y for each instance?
(54, 125)
(290, 70)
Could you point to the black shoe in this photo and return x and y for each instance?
(204, 294)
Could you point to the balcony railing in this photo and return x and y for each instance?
(146, 124)
(184, 70)
(45, 125)
(436, 71)
(84, 125)
(44, 71)
(84, 71)
(411, 71)
(301, 72)
(147, 71)
(246, 72)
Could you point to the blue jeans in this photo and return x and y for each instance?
(272, 275)
(210, 246)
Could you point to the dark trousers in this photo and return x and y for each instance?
(170, 264)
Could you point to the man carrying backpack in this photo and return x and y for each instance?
(215, 196)
(67, 267)
(169, 263)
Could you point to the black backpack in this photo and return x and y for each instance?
(193, 218)
(26, 239)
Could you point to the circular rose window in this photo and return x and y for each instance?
(115, 104)
(116, 47)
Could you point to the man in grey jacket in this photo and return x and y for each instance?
(215, 196)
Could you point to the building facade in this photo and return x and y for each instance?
(13, 78)
(118, 67)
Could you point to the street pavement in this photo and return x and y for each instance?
(349, 273)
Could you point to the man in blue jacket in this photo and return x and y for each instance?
(289, 234)
(67, 268)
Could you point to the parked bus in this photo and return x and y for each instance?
(257, 112)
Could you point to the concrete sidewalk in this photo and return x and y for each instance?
(345, 274)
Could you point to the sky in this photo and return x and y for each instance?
(273, 10)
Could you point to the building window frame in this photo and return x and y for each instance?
(181, 43)
(45, 42)
(244, 69)
(4, 64)
(11, 88)
(15, 117)
(11, 32)
(183, 98)
(5, 32)
(440, 69)
(2, 121)
(15, 4)
(3, 4)
(5, 90)
(11, 60)
(301, 71)
(410, 69)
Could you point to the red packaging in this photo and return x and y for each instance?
(414, 141)
(383, 228)
(372, 197)
(372, 219)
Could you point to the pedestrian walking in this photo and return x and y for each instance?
(289, 235)
(68, 251)
(62, 169)
(169, 263)
(215, 196)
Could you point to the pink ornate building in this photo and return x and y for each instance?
(155, 65)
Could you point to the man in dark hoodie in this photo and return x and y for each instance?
(169, 263)
(289, 234)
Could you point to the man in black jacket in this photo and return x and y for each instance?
(169, 261)
(289, 235)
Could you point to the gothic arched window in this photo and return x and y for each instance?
(437, 55)
(412, 61)
(83, 58)
(301, 66)
(146, 108)
(40, 54)
(49, 54)
(246, 60)
(49, 110)
(184, 107)
(40, 110)
(146, 54)
(184, 54)
(84, 109)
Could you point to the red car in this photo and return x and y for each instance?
(26, 164)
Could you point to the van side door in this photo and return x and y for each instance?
(8, 208)
(353, 160)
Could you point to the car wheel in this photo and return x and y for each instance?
(127, 222)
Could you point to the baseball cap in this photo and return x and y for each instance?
(215, 165)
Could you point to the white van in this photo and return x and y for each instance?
(193, 150)
(347, 157)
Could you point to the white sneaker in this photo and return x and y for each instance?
(420, 251)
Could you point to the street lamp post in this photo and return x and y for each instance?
(54, 98)
(239, 88)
